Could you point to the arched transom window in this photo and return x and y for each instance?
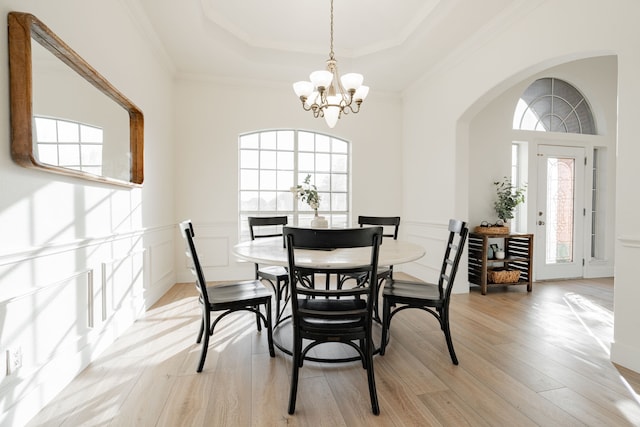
(553, 105)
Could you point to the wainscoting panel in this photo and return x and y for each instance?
(52, 320)
(630, 241)
(63, 304)
(213, 251)
(161, 260)
(123, 287)
(214, 243)
(433, 237)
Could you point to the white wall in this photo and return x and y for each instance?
(439, 108)
(209, 117)
(68, 246)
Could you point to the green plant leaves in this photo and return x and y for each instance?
(509, 197)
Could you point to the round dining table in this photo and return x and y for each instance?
(272, 251)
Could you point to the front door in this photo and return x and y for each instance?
(560, 212)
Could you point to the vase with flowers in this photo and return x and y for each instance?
(308, 193)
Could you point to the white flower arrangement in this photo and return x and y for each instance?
(308, 193)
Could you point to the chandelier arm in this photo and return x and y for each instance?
(304, 104)
(347, 97)
(350, 107)
(316, 109)
(323, 100)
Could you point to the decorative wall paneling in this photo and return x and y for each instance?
(215, 243)
(630, 241)
(430, 235)
(63, 304)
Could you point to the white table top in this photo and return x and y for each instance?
(271, 251)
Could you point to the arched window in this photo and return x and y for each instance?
(273, 161)
(553, 105)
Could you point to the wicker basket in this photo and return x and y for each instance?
(492, 229)
(503, 276)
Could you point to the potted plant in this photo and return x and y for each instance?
(509, 197)
(308, 193)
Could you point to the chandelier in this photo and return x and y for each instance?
(327, 94)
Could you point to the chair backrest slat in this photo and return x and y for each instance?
(186, 229)
(393, 221)
(457, 236)
(259, 224)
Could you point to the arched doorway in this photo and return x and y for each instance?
(560, 219)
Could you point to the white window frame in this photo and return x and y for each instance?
(80, 141)
(326, 158)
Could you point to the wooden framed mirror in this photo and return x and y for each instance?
(65, 117)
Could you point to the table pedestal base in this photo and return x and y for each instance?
(330, 352)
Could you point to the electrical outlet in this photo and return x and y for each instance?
(14, 360)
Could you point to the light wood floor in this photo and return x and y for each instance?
(526, 359)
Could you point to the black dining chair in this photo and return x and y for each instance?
(430, 297)
(228, 298)
(325, 313)
(276, 276)
(390, 226)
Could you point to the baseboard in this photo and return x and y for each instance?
(626, 356)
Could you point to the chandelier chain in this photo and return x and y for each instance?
(331, 51)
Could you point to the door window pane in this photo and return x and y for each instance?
(560, 210)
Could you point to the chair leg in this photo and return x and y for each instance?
(375, 407)
(297, 353)
(269, 327)
(201, 331)
(386, 323)
(376, 311)
(205, 343)
(279, 288)
(258, 323)
(447, 334)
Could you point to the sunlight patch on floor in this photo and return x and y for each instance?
(586, 310)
